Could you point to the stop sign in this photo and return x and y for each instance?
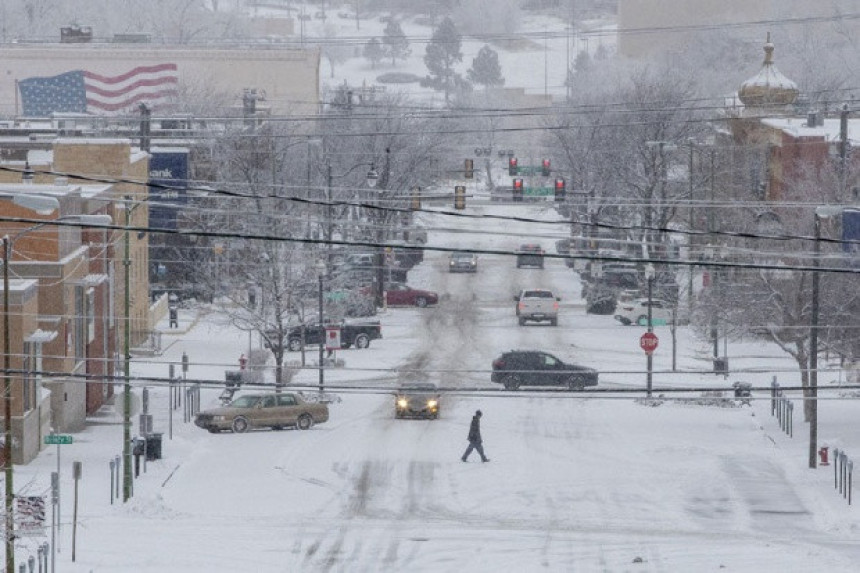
(648, 342)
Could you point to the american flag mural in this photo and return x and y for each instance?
(87, 92)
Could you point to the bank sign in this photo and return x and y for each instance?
(168, 186)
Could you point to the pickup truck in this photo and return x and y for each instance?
(537, 305)
(358, 333)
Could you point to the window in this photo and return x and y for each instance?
(269, 402)
(91, 315)
(31, 369)
(79, 325)
(286, 401)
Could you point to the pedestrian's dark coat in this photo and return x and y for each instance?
(475, 429)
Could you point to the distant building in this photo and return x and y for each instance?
(648, 27)
(286, 78)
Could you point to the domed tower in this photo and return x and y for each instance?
(769, 90)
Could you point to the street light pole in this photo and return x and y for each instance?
(321, 270)
(126, 399)
(821, 212)
(649, 274)
(7, 409)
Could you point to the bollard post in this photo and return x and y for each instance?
(850, 479)
(111, 481)
(117, 475)
(791, 419)
(841, 472)
(773, 387)
(835, 467)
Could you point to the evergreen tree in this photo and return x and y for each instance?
(395, 41)
(373, 51)
(442, 53)
(485, 69)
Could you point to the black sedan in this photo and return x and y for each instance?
(519, 368)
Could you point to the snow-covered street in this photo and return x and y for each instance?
(576, 482)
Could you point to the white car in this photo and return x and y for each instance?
(636, 312)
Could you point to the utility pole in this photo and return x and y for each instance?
(126, 400)
(843, 150)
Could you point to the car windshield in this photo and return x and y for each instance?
(418, 388)
(461, 255)
(244, 401)
(538, 294)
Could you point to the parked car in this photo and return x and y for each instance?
(537, 305)
(518, 368)
(399, 294)
(530, 255)
(274, 411)
(463, 263)
(358, 332)
(417, 400)
(636, 312)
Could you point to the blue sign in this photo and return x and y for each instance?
(851, 235)
(168, 191)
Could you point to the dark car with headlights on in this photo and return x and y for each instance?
(276, 411)
(416, 401)
(518, 368)
(463, 263)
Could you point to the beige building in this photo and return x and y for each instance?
(647, 27)
(287, 78)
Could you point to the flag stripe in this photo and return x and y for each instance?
(138, 71)
(151, 98)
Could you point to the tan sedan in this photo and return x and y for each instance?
(274, 411)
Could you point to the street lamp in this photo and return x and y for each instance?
(650, 273)
(43, 206)
(321, 269)
(821, 212)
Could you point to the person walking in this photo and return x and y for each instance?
(475, 442)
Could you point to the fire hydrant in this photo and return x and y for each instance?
(822, 453)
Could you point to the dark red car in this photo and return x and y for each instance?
(399, 294)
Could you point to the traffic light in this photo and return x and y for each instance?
(416, 199)
(470, 169)
(560, 190)
(512, 167)
(544, 168)
(460, 197)
(517, 194)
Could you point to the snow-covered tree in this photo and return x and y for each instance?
(395, 41)
(485, 69)
(373, 51)
(443, 51)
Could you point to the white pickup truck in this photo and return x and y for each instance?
(537, 305)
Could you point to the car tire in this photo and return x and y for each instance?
(240, 425)
(362, 341)
(512, 383)
(553, 322)
(294, 344)
(522, 321)
(624, 321)
(277, 428)
(575, 385)
(305, 422)
(420, 302)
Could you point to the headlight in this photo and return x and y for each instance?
(402, 402)
(432, 403)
